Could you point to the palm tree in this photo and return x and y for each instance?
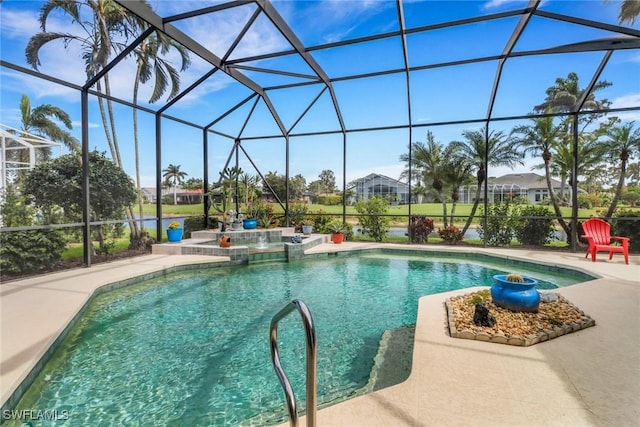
(430, 162)
(633, 173)
(624, 142)
(174, 176)
(457, 174)
(539, 139)
(562, 162)
(565, 94)
(105, 34)
(498, 148)
(418, 191)
(41, 121)
(629, 11)
(250, 185)
(151, 64)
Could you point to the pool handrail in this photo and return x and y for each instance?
(312, 387)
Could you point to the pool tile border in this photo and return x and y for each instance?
(496, 259)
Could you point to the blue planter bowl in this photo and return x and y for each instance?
(250, 224)
(174, 234)
(515, 296)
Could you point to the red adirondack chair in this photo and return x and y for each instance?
(598, 233)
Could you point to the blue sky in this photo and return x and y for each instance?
(441, 94)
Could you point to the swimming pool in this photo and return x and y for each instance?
(192, 349)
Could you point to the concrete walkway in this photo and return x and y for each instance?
(587, 378)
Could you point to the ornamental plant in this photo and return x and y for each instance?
(174, 225)
(419, 228)
(450, 234)
(336, 227)
(515, 278)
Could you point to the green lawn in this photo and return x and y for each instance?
(433, 210)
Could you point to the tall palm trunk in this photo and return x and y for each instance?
(136, 145)
(133, 226)
(105, 124)
(110, 134)
(480, 175)
(112, 121)
(444, 208)
(453, 210)
(552, 195)
(472, 214)
(619, 187)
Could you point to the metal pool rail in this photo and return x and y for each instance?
(310, 332)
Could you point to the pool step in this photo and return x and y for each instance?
(392, 364)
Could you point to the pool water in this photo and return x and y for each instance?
(193, 348)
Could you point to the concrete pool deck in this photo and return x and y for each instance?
(589, 377)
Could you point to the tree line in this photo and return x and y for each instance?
(605, 146)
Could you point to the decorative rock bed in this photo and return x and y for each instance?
(553, 319)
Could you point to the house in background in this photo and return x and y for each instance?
(148, 194)
(184, 197)
(529, 185)
(378, 185)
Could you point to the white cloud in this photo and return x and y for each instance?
(630, 100)
(17, 82)
(494, 4)
(625, 101)
(78, 124)
(19, 24)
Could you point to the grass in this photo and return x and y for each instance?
(434, 210)
(75, 250)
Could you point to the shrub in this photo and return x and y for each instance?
(263, 212)
(348, 233)
(328, 199)
(535, 227)
(589, 201)
(420, 227)
(297, 212)
(321, 222)
(627, 227)
(373, 223)
(631, 199)
(500, 224)
(30, 251)
(450, 234)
